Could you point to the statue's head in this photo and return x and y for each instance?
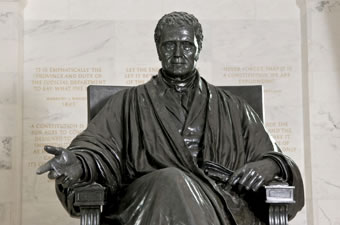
(178, 37)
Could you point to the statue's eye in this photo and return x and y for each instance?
(187, 45)
(169, 46)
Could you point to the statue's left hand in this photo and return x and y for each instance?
(253, 175)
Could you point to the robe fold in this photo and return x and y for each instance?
(134, 148)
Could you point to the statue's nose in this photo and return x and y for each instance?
(178, 50)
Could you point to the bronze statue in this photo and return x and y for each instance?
(149, 143)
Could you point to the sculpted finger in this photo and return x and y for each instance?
(44, 168)
(251, 181)
(67, 182)
(258, 184)
(53, 175)
(53, 150)
(247, 175)
(60, 179)
(235, 177)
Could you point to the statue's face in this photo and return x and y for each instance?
(178, 51)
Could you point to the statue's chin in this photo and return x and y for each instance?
(179, 74)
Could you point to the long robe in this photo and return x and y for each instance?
(133, 147)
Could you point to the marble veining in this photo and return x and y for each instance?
(330, 183)
(68, 42)
(44, 26)
(94, 48)
(5, 152)
(328, 6)
(8, 25)
(325, 215)
(4, 16)
(326, 122)
(8, 88)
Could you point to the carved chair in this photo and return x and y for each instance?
(91, 199)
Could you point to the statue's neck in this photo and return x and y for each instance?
(180, 84)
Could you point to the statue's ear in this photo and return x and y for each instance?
(158, 52)
(198, 50)
(197, 55)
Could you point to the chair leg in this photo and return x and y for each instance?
(278, 214)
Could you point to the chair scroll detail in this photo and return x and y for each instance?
(90, 199)
(279, 196)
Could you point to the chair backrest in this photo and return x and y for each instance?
(97, 96)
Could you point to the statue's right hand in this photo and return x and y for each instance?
(64, 167)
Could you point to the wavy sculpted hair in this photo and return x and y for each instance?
(179, 19)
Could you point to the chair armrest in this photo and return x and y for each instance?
(90, 199)
(279, 196)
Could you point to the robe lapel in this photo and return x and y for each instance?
(212, 119)
(157, 99)
(211, 126)
(197, 105)
(173, 106)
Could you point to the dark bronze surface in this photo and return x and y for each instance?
(148, 143)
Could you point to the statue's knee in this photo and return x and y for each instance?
(170, 175)
(171, 172)
(167, 179)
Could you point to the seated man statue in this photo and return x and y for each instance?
(148, 144)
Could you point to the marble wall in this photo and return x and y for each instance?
(53, 50)
(10, 112)
(324, 86)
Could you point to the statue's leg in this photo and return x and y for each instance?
(167, 197)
